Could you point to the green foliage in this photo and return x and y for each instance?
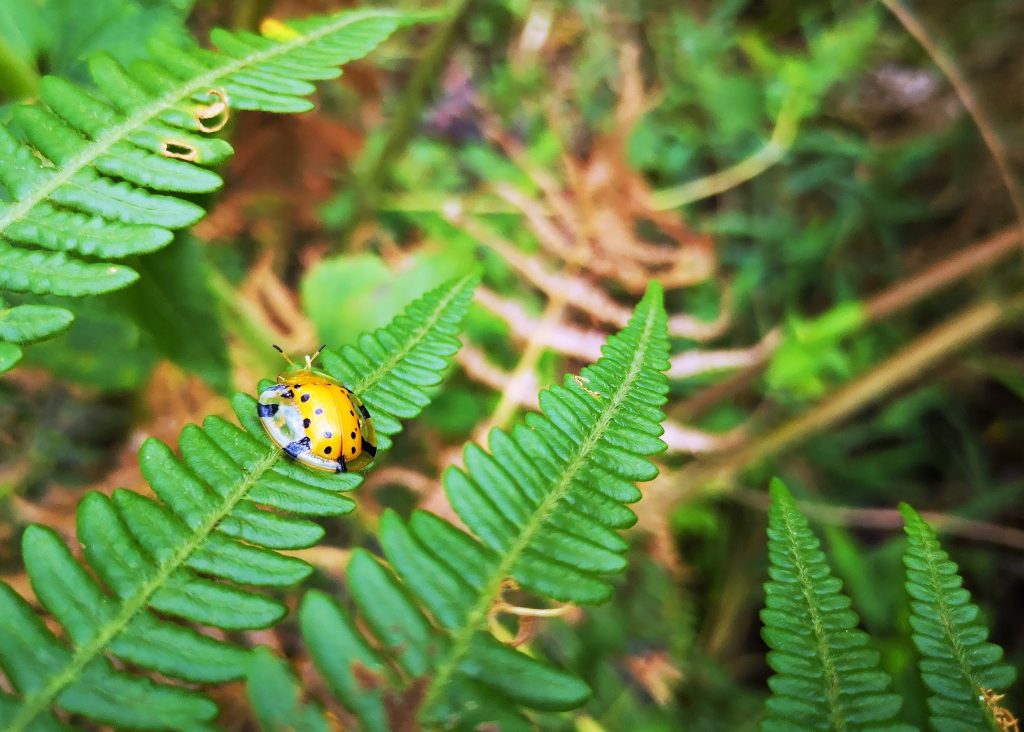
(28, 323)
(831, 55)
(810, 356)
(165, 556)
(362, 289)
(22, 324)
(543, 506)
(168, 302)
(957, 664)
(826, 676)
(10, 354)
(61, 35)
(274, 697)
(100, 173)
(105, 347)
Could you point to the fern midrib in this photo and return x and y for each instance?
(492, 588)
(419, 334)
(105, 142)
(824, 648)
(948, 627)
(83, 655)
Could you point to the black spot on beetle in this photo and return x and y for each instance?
(328, 435)
(306, 423)
(353, 450)
(353, 435)
(328, 450)
(352, 413)
(304, 398)
(266, 410)
(318, 410)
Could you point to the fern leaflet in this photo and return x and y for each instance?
(957, 664)
(543, 504)
(29, 323)
(147, 557)
(274, 697)
(23, 324)
(826, 676)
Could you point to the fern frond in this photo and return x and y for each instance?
(826, 676)
(102, 172)
(166, 556)
(543, 504)
(957, 664)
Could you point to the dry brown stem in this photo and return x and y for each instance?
(971, 103)
(941, 274)
(581, 294)
(719, 473)
(890, 519)
(586, 344)
(594, 220)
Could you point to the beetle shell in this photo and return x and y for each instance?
(318, 422)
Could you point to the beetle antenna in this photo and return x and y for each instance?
(281, 351)
(311, 359)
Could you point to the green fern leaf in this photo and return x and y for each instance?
(173, 294)
(274, 697)
(101, 173)
(957, 664)
(43, 272)
(10, 354)
(544, 504)
(27, 324)
(826, 676)
(193, 553)
(30, 323)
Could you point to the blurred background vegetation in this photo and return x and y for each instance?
(828, 199)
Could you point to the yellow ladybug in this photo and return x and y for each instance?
(316, 420)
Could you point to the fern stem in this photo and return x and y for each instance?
(85, 654)
(492, 588)
(787, 124)
(511, 392)
(718, 474)
(145, 114)
(974, 108)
